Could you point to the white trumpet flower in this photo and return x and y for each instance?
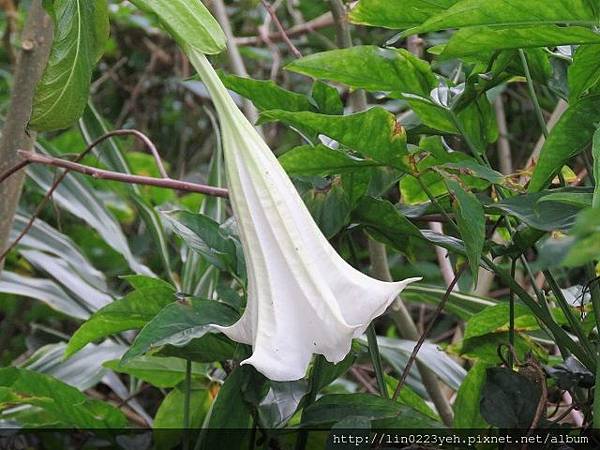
(303, 298)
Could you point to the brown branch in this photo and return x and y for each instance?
(36, 41)
(438, 311)
(323, 21)
(60, 179)
(101, 174)
(282, 32)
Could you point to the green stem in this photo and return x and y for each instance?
(536, 103)
(534, 98)
(563, 340)
(566, 308)
(186, 404)
(376, 360)
(511, 315)
(315, 381)
(594, 292)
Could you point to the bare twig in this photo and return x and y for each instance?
(31, 159)
(101, 174)
(421, 340)
(279, 26)
(323, 21)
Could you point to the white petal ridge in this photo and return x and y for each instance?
(303, 298)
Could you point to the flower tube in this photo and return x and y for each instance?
(303, 298)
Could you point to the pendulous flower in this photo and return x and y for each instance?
(303, 298)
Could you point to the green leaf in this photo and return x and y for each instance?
(409, 398)
(64, 405)
(178, 323)
(470, 218)
(128, 313)
(170, 415)
(80, 34)
(496, 318)
(509, 400)
(548, 216)
(475, 41)
(321, 160)
(329, 207)
(327, 98)
(466, 405)
(584, 73)
(586, 234)
(330, 409)
(159, 372)
(230, 411)
(374, 133)
(397, 14)
(468, 13)
(386, 223)
(464, 306)
(206, 237)
(189, 22)
(395, 71)
(266, 94)
(596, 174)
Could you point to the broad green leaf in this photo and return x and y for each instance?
(80, 34)
(189, 22)
(596, 174)
(470, 218)
(468, 13)
(321, 160)
(485, 348)
(585, 246)
(397, 14)
(64, 405)
(466, 405)
(266, 94)
(333, 408)
(409, 398)
(170, 414)
(584, 73)
(386, 223)
(128, 313)
(281, 402)
(395, 71)
(327, 98)
(577, 199)
(508, 399)
(464, 306)
(374, 133)
(159, 372)
(496, 319)
(474, 41)
(209, 239)
(548, 216)
(230, 411)
(329, 207)
(178, 323)
(209, 348)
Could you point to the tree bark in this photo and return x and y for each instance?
(35, 47)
